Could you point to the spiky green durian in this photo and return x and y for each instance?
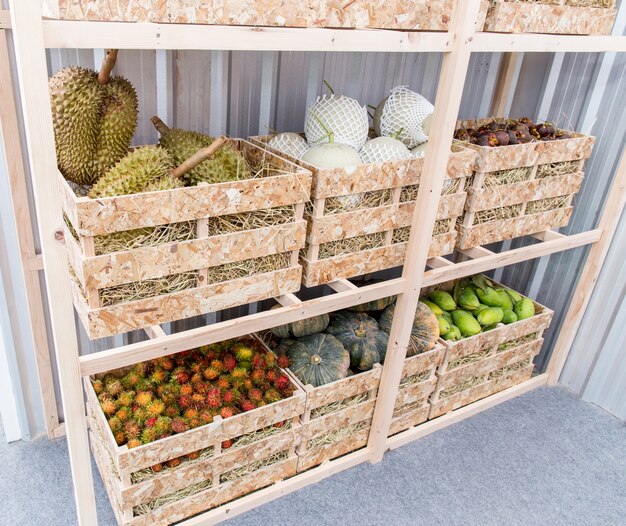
(227, 164)
(143, 168)
(93, 123)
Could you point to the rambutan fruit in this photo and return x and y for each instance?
(261, 403)
(126, 398)
(134, 442)
(244, 353)
(218, 365)
(182, 375)
(258, 376)
(195, 422)
(123, 413)
(143, 385)
(172, 411)
(206, 417)
(98, 386)
(120, 438)
(143, 398)
(142, 369)
(157, 468)
(148, 435)
(196, 378)
(282, 382)
(163, 425)
(179, 425)
(230, 362)
(131, 380)
(247, 383)
(223, 383)
(230, 397)
(271, 375)
(190, 413)
(283, 361)
(194, 455)
(155, 408)
(258, 362)
(247, 405)
(245, 365)
(166, 363)
(150, 422)
(239, 373)
(185, 402)
(279, 424)
(174, 462)
(109, 407)
(227, 443)
(255, 394)
(140, 414)
(270, 359)
(132, 429)
(114, 387)
(272, 395)
(186, 390)
(198, 400)
(227, 412)
(115, 424)
(159, 376)
(214, 398)
(210, 373)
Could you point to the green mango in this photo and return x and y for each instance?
(509, 317)
(490, 316)
(454, 334)
(524, 309)
(515, 296)
(444, 326)
(465, 322)
(468, 299)
(481, 307)
(489, 327)
(437, 311)
(490, 298)
(507, 302)
(447, 316)
(443, 300)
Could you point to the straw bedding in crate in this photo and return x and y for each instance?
(417, 384)
(573, 17)
(521, 189)
(419, 15)
(144, 259)
(358, 217)
(260, 455)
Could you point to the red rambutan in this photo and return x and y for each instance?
(157, 468)
(120, 438)
(214, 398)
(155, 408)
(230, 397)
(271, 375)
(123, 413)
(150, 422)
(210, 373)
(227, 412)
(131, 380)
(206, 417)
(166, 363)
(196, 378)
(272, 395)
(172, 411)
(247, 405)
(185, 402)
(255, 394)
(229, 362)
(159, 376)
(108, 406)
(192, 412)
(282, 382)
(174, 463)
(223, 383)
(258, 376)
(258, 362)
(198, 400)
(143, 398)
(179, 425)
(186, 390)
(227, 443)
(133, 442)
(132, 429)
(182, 375)
(283, 361)
(193, 456)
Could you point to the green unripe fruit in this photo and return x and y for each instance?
(481, 307)
(466, 322)
(515, 296)
(487, 328)
(524, 309)
(507, 302)
(444, 326)
(490, 298)
(447, 316)
(468, 299)
(509, 317)
(490, 316)
(437, 311)
(454, 334)
(443, 300)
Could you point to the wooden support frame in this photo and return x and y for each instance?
(33, 35)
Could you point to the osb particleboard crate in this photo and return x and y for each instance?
(198, 259)
(337, 417)
(422, 15)
(417, 384)
(385, 194)
(219, 475)
(481, 365)
(555, 16)
(521, 189)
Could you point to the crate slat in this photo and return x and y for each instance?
(318, 455)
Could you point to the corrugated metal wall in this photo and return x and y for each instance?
(246, 93)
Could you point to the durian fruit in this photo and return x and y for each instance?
(94, 117)
(147, 167)
(383, 149)
(227, 164)
(289, 143)
(338, 119)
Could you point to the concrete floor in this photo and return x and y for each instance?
(545, 458)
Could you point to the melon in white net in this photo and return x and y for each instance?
(336, 119)
(383, 149)
(332, 155)
(401, 115)
(419, 150)
(289, 143)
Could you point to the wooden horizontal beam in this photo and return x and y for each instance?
(78, 34)
(5, 19)
(342, 285)
(465, 412)
(288, 299)
(492, 42)
(161, 346)
(510, 257)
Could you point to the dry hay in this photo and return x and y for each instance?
(351, 245)
(401, 235)
(259, 434)
(248, 469)
(339, 435)
(557, 169)
(450, 186)
(517, 342)
(512, 176)
(248, 267)
(497, 214)
(464, 386)
(347, 203)
(509, 369)
(551, 203)
(400, 410)
(571, 3)
(148, 473)
(416, 378)
(470, 358)
(338, 406)
(147, 288)
(247, 221)
(144, 237)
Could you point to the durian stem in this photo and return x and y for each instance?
(160, 126)
(110, 58)
(199, 156)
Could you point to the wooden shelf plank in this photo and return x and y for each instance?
(128, 35)
(492, 42)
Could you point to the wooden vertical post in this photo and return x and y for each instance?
(19, 195)
(32, 70)
(505, 84)
(447, 103)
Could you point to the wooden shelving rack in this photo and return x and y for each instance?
(32, 36)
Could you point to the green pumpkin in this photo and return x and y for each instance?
(362, 338)
(425, 328)
(282, 349)
(318, 359)
(375, 305)
(300, 328)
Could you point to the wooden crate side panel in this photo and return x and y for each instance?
(318, 455)
(499, 230)
(196, 439)
(512, 194)
(409, 419)
(503, 157)
(174, 258)
(442, 244)
(493, 362)
(576, 148)
(423, 362)
(220, 494)
(338, 420)
(461, 161)
(345, 388)
(139, 314)
(109, 480)
(412, 393)
(508, 17)
(481, 391)
(100, 421)
(127, 212)
(191, 473)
